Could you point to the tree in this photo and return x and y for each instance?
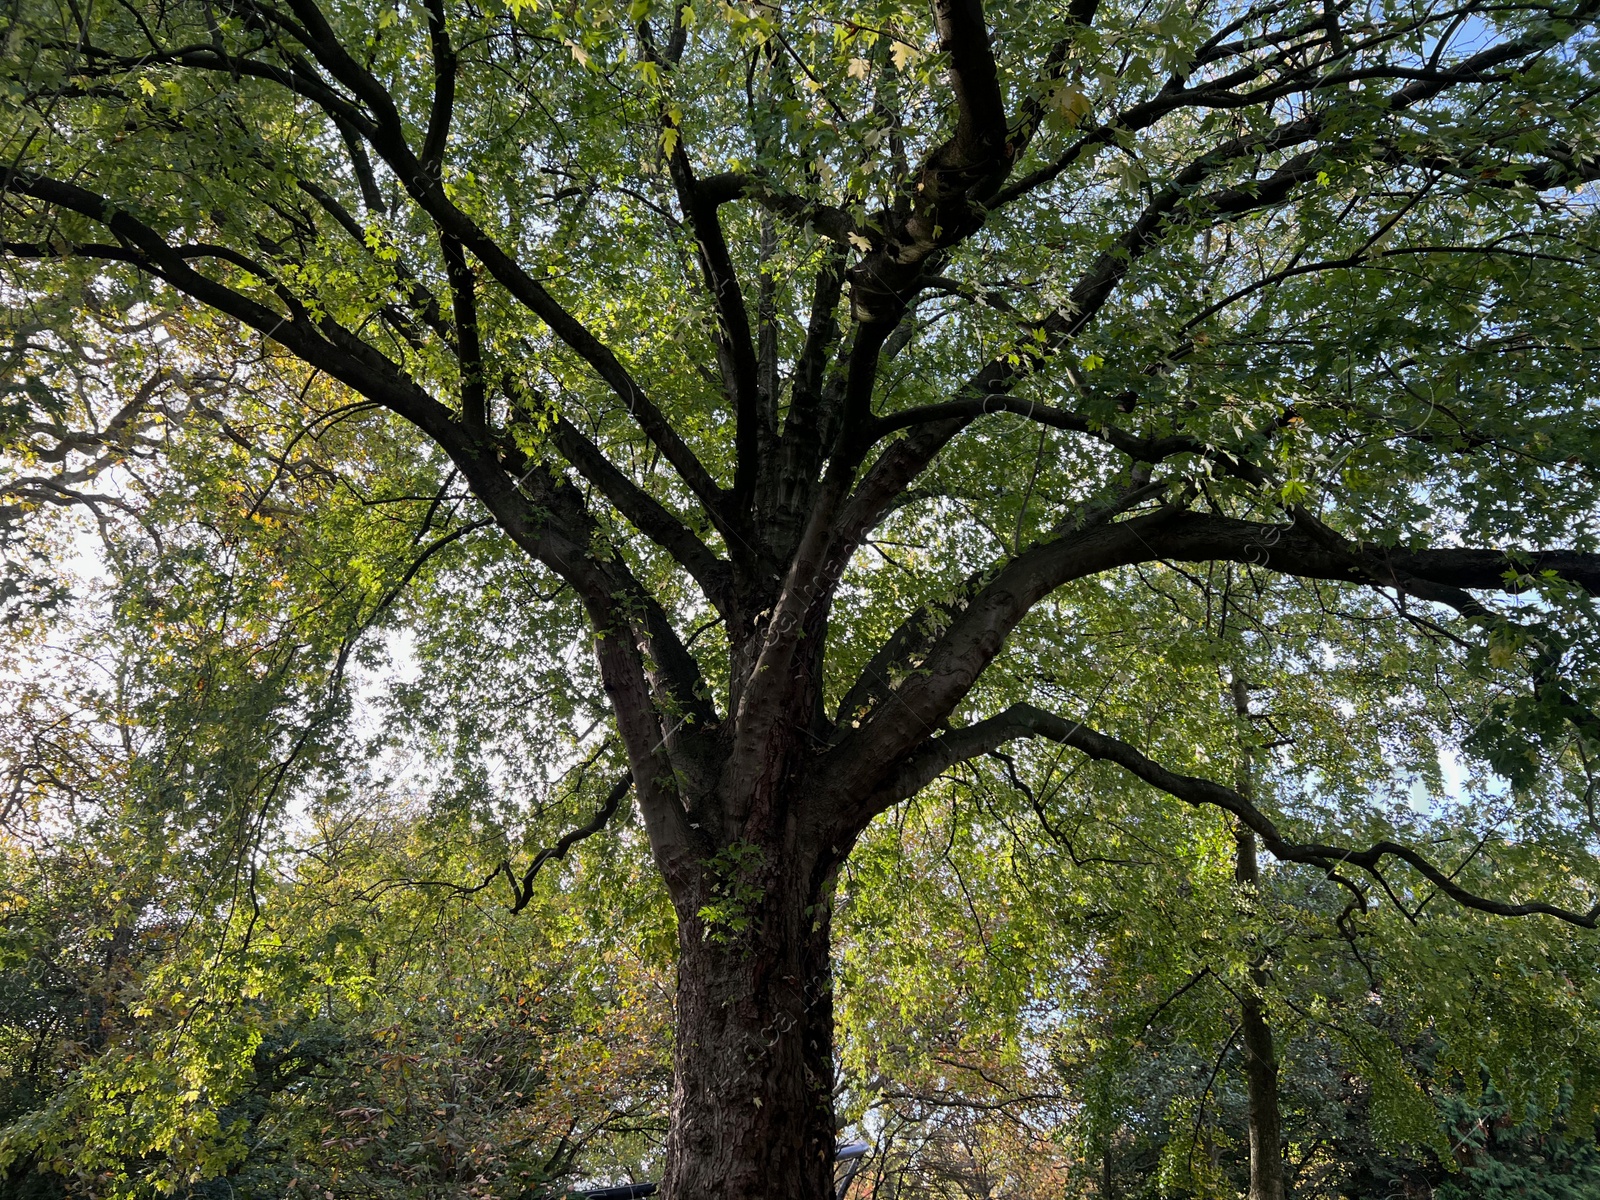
(172, 1025)
(829, 358)
(1007, 1016)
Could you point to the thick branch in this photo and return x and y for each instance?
(546, 519)
(469, 350)
(444, 89)
(735, 343)
(956, 181)
(1028, 721)
(647, 513)
(737, 185)
(386, 134)
(946, 662)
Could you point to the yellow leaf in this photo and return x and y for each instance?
(903, 55)
(148, 88)
(858, 68)
(1093, 362)
(1070, 102)
(860, 243)
(669, 140)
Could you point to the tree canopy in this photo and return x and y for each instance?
(773, 413)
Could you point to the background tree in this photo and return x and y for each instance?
(330, 1020)
(824, 365)
(1051, 1005)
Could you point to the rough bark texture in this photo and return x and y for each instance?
(752, 1100)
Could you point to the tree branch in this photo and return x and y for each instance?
(535, 510)
(647, 513)
(1028, 721)
(444, 89)
(728, 186)
(735, 343)
(469, 349)
(386, 134)
(522, 890)
(947, 659)
(956, 181)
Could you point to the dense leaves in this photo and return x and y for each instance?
(665, 472)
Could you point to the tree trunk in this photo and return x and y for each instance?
(1260, 1055)
(752, 1098)
(1260, 1060)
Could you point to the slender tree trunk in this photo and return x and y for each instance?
(1260, 1054)
(1260, 1062)
(752, 1100)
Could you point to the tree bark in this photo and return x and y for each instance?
(1260, 1061)
(1260, 1054)
(752, 1099)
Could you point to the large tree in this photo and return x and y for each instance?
(831, 358)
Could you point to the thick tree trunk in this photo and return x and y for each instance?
(752, 1100)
